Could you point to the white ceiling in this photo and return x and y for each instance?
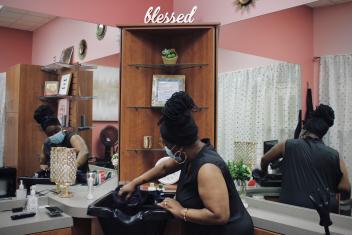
(323, 3)
(21, 19)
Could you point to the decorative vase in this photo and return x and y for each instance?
(169, 60)
(242, 187)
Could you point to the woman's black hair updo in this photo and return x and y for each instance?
(320, 122)
(177, 125)
(45, 116)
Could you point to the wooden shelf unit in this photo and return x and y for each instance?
(23, 136)
(141, 48)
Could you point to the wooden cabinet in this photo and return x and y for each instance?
(259, 231)
(63, 231)
(23, 136)
(141, 48)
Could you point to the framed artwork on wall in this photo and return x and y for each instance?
(63, 112)
(51, 88)
(164, 86)
(66, 55)
(65, 84)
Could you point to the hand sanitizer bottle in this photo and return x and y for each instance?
(32, 203)
(21, 192)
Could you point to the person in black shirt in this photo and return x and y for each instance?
(206, 196)
(308, 165)
(57, 137)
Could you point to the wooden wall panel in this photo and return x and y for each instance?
(11, 140)
(143, 45)
(63, 231)
(259, 231)
(31, 137)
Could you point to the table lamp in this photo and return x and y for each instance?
(65, 169)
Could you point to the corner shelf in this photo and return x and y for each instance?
(58, 68)
(168, 66)
(70, 97)
(78, 129)
(198, 109)
(145, 150)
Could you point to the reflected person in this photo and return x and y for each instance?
(308, 164)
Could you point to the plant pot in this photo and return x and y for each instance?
(169, 60)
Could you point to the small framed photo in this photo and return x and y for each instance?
(164, 86)
(51, 88)
(66, 55)
(65, 84)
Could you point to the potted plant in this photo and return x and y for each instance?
(115, 160)
(240, 172)
(169, 56)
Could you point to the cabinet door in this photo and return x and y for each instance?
(259, 231)
(11, 140)
(12, 89)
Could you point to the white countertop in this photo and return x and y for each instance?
(77, 205)
(39, 223)
(287, 219)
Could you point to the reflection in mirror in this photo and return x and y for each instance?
(258, 100)
(44, 37)
(265, 67)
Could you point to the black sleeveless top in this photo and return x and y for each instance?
(65, 143)
(309, 164)
(240, 223)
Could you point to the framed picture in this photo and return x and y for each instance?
(66, 55)
(164, 86)
(63, 111)
(65, 84)
(51, 88)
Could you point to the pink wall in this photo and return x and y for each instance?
(97, 146)
(109, 61)
(332, 33)
(226, 12)
(229, 60)
(333, 30)
(50, 39)
(286, 35)
(110, 12)
(15, 47)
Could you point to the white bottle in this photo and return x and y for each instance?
(90, 186)
(32, 203)
(21, 192)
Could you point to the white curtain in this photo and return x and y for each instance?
(2, 115)
(257, 104)
(335, 89)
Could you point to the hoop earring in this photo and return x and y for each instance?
(178, 155)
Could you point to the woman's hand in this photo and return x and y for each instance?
(127, 190)
(173, 206)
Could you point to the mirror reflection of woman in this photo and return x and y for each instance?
(57, 137)
(206, 196)
(308, 165)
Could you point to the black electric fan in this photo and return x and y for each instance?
(109, 137)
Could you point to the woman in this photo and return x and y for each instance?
(206, 197)
(57, 137)
(308, 165)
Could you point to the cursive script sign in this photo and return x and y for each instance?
(153, 16)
